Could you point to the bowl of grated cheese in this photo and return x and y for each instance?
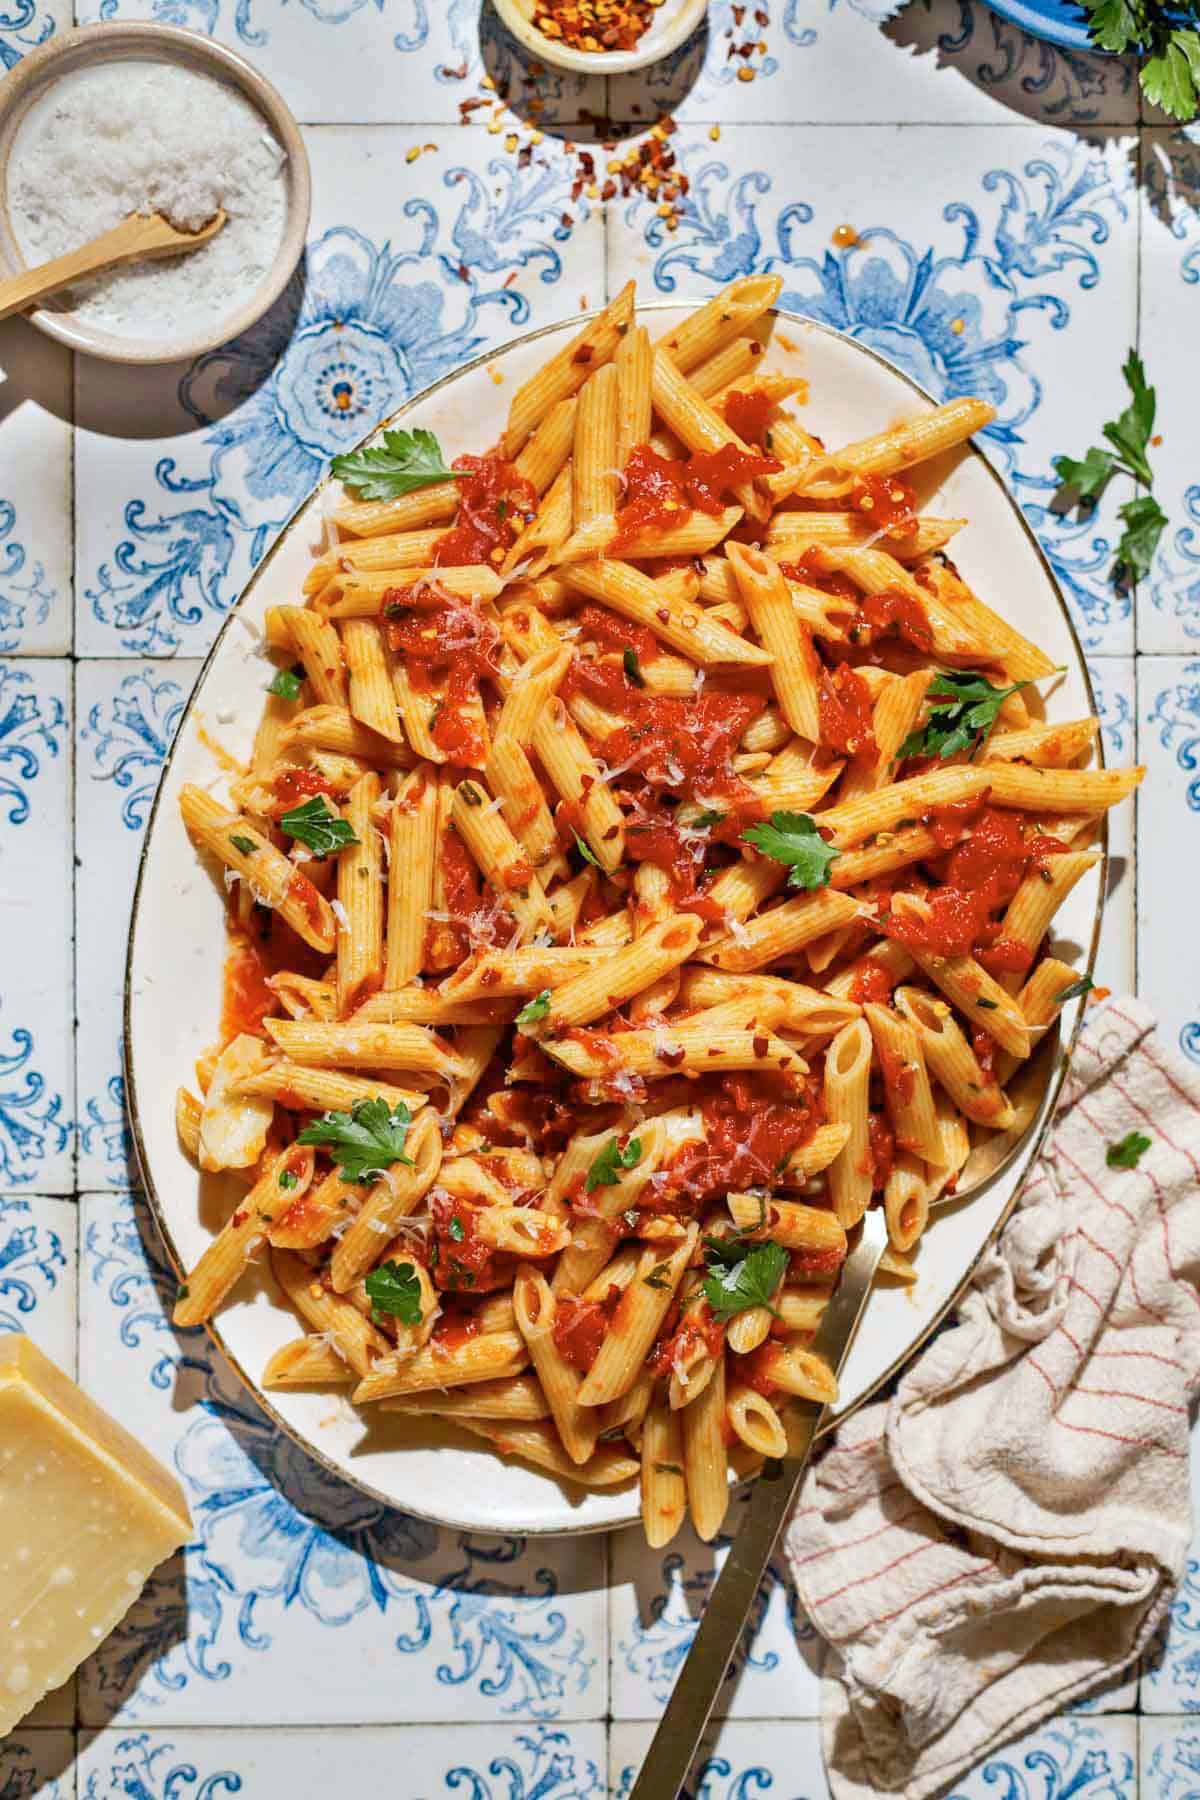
(110, 120)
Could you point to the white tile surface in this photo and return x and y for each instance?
(35, 490)
(1170, 1757)
(1168, 805)
(1114, 685)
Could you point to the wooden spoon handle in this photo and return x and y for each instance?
(141, 235)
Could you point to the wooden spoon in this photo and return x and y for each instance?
(140, 235)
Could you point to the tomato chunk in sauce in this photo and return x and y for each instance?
(750, 1131)
(980, 876)
(494, 506)
(660, 491)
(449, 647)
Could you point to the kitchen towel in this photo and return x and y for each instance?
(1003, 1535)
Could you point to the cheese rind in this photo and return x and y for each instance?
(86, 1513)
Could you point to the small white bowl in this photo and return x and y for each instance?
(674, 22)
(29, 80)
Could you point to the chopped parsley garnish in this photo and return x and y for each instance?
(668, 1468)
(246, 845)
(288, 682)
(708, 817)
(395, 1288)
(987, 1005)
(964, 706)
(607, 1166)
(1129, 1152)
(1084, 985)
(657, 1278)
(1084, 481)
(288, 1180)
(792, 838)
(535, 1009)
(587, 853)
(365, 1141)
(739, 1278)
(456, 1229)
(1167, 42)
(318, 827)
(633, 668)
(402, 463)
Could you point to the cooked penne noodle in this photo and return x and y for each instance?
(905, 1082)
(516, 1397)
(847, 1076)
(353, 1045)
(307, 1362)
(360, 894)
(344, 1328)
(704, 1460)
(755, 1421)
(952, 1060)
(303, 1089)
(245, 1231)
(273, 880)
(664, 1484)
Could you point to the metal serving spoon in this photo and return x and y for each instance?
(677, 1739)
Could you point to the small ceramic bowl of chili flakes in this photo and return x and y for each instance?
(601, 37)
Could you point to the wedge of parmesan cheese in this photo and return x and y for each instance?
(85, 1515)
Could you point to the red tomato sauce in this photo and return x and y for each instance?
(808, 571)
(753, 1370)
(881, 1150)
(700, 1334)
(660, 491)
(494, 506)
(580, 1327)
(292, 787)
(446, 644)
(980, 875)
(301, 890)
(891, 615)
(246, 1000)
(473, 920)
(887, 503)
(463, 1263)
(613, 635)
(846, 712)
(872, 982)
(807, 1265)
(652, 835)
(749, 415)
(750, 1131)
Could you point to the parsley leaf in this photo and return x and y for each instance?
(1084, 985)
(733, 1287)
(793, 838)
(319, 827)
(633, 668)
(1170, 78)
(402, 463)
(535, 1009)
(588, 855)
(456, 1229)
(1129, 1152)
(365, 1141)
(963, 709)
(1144, 521)
(607, 1166)
(1114, 24)
(288, 1180)
(1130, 434)
(668, 1468)
(657, 1278)
(1086, 479)
(708, 817)
(395, 1288)
(246, 845)
(288, 682)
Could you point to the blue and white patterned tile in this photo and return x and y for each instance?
(930, 62)
(36, 993)
(1169, 1750)
(182, 484)
(775, 1758)
(1170, 1681)
(37, 1763)
(1065, 1759)
(357, 62)
(26, 24)
(1116, 701)
(535, 1762)
(656, 1598)
(1004, 289)
(126, 716)
(291, 1570)
(1168, 834)
(35, 482)
(1169, 602)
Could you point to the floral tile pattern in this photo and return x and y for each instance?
(1014, 229)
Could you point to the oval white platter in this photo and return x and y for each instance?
(177, 941)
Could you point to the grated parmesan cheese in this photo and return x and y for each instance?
(141, 137)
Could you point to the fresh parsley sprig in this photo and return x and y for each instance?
(1169, 48)
(1084, 480)
(316, 825)
(402, 463)
(792, 838)
(365, 1141)
(607, 1166)
(395, 1288)
(1128, 1152)
(535, 1009)
(963, 708)
(739, 1278)
(288, 682)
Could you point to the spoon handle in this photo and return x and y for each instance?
(142, 234)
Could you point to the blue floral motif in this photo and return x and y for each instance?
(31, 1259)
(273, 1531)
(1173, 1772)
(205, 16)
(1117, 724)
(657, 1649)
(20, 1779)
(718, 1778)
(142, 1771)
(21, 29)
(25, 595)
(1176, 712)
(1067, 1761)
(32, 725)
(104, 1128)
(543, 1768)
(372, 329)
(130, 735)
(1175, 1666)
(1175, 579)
(31, 1125)
(953, 322)
(1040, 78)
